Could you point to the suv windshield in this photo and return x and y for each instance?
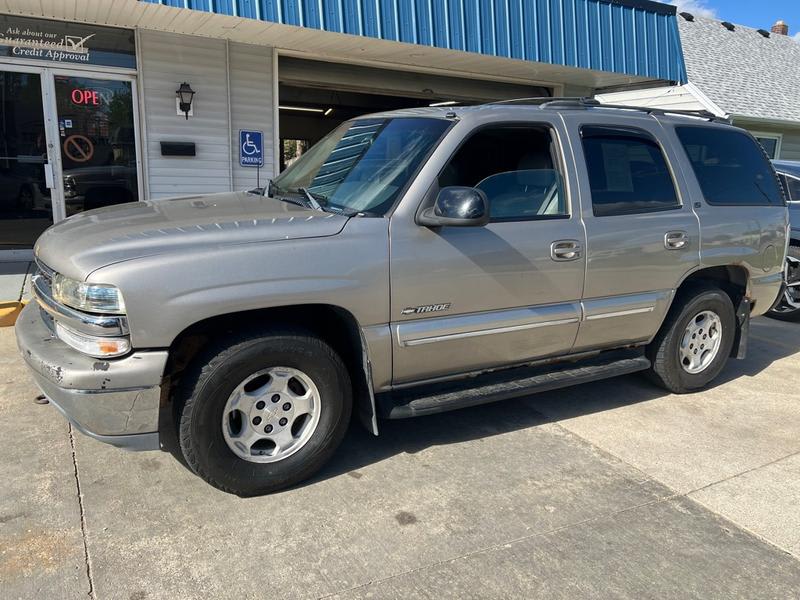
(362, 165)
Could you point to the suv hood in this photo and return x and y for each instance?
(97, 238)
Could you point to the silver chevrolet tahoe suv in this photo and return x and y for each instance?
(411, 262)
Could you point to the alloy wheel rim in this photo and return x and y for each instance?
(271, 415)
(790, 299)
(701, 342)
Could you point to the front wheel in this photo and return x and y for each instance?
(694, 342)
(262, 412)
(787, 307)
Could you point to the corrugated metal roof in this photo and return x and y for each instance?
(634, 37)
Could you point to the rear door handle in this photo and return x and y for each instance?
(675, 240)
(564, 250)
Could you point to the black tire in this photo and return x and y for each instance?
(664, 351)
(210, 380)
(782, 310)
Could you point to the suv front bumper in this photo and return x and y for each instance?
(115, 401)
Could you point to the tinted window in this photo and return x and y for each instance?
(627, 172)
(730, 166)
(792, 187)
(515, 167)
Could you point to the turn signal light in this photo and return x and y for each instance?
(99, 347)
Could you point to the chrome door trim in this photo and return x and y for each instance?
(443, 329)
(595, 309)
(620, 313)
(469, 334)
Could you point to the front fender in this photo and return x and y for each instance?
(166, 293)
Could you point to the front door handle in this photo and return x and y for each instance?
(675, 240)
(564, 250)
(49, 179)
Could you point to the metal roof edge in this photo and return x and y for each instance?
(648, 5)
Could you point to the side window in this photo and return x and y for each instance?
(769, 143)
(730, 167)
(628, 172)
(516, 167)
(792, 188)
(785, 185)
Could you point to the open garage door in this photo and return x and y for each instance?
(316, 96)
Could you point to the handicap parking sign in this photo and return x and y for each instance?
(251, 148)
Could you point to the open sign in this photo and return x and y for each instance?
(85, 97)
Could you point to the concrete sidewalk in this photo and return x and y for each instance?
(15, 289)
(608, 490)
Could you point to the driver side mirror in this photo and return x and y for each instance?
(457, 206)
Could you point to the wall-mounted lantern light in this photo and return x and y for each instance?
(185, 94)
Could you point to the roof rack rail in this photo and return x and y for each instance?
(651, 110)
(542, 100)
(588, 102)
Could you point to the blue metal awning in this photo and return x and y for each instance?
(633, 37)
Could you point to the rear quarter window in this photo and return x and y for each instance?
(730, 167)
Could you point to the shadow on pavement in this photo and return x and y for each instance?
(360, 448)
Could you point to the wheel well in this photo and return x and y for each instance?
(337, 326)
(731, 279)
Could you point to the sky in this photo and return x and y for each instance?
(753, 13)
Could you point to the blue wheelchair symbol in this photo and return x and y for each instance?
(251, 148)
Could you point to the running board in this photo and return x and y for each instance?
(507, 383)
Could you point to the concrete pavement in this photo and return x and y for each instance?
(612, 489)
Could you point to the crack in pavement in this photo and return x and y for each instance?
(745, 472)
(497, 546)
(689, 495)
(86, 557)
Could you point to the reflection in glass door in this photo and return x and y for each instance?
(97, 140)
(25, 201)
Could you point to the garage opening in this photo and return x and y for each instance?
(316, 96)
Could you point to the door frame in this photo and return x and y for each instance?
(51, 73)
(53, 149)
(52, 135)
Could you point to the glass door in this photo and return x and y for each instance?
(67, 144)
(26, 202)
(97, 138)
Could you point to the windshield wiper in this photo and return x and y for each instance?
(312, 201)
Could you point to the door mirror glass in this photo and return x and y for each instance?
(457, 206)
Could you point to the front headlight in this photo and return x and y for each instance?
(89, 297)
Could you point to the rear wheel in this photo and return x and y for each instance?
(263, 412)
(787, 307)
(694, 342)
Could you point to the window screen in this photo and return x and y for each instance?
(627, 172)
(730, 166)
